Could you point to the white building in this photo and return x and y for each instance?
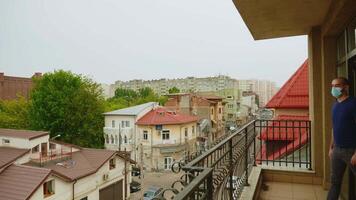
(33, 167)
(121, 131)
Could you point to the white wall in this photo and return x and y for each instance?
(88, 186)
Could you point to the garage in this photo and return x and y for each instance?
(112, 192)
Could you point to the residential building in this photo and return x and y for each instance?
(166, 136)
(265, 89)
(34, 167)
(11, 87)
(291, 102)
(121, 132)
(231, 102)
(206, 108)
(189, 84)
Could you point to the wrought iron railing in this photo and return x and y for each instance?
(222, 172)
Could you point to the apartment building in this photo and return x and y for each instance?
(11, 87)
(34, 167)
(121, 132)
(206, 108)
(166, 136)
(265, 89)
(189, 84)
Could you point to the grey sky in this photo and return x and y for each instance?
(112, 40)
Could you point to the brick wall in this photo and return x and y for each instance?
(11, 87)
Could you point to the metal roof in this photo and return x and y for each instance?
(132, 111)
(9, 155)
(26, 134)
(295, 92)
(19, 182)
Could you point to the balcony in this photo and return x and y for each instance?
(262, 154)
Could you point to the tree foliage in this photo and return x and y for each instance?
(14, 113)
(173, 90)
(70, 105)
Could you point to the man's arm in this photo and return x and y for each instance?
(331, 147)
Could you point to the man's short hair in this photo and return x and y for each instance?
(344, 80)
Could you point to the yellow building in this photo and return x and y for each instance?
(166, 136)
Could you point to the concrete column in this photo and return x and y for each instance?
(315, 99)
(328, 74)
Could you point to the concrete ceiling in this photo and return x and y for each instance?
(281, 18)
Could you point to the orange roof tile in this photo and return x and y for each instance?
(162, 116)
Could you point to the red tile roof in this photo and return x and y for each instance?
(26, 134)
(294, 138)
(162, 116)
(294, 93)
(19, 182)
(9, 155)
(275, 132)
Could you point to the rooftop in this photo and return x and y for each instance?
(162, 116)
(295, 92)
(25, 134)
(132, 111)
(18, 182)
(9, 155)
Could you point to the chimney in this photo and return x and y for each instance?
(1, 76)
(37, 74)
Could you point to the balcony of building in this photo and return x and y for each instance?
(259, 167)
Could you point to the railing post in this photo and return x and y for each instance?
(254, 143)
(246, 156)
(210, 189)
(231, 170)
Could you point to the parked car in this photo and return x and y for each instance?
(135, 186)
(151, 193)
(235, 182)
(135, 171)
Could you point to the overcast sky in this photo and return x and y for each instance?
(111, 40)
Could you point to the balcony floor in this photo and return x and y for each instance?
(292, 191)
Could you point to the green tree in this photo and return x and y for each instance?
(70, 105)
(173, 90)
(127, 94)
(14, 113)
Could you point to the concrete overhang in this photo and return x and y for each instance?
(281, 18)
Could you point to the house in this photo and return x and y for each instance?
(210, 108)
(34, 167)
(166, 136)
(121, 131)
(291, 102)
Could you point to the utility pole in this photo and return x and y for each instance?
(141, 169)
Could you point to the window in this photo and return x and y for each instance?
(193, 130)
(125, 139)
(112, 163)
(127, 124)
(35, 149)
(212, 111)
(165, 135)
(186, 132)
(230, 116)
(113, 123)
(220, 110)
(107, 139)
(5, 141)
(116, 139)
(168, 162)
(52, 146)
(48, 188)
(145, 135)
(112, 139)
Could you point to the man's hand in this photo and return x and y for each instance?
(330, 152)
(353, 159)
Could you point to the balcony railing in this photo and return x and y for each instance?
(222, 172)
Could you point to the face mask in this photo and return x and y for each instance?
(336, 92)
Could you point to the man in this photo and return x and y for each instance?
(342, 151)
